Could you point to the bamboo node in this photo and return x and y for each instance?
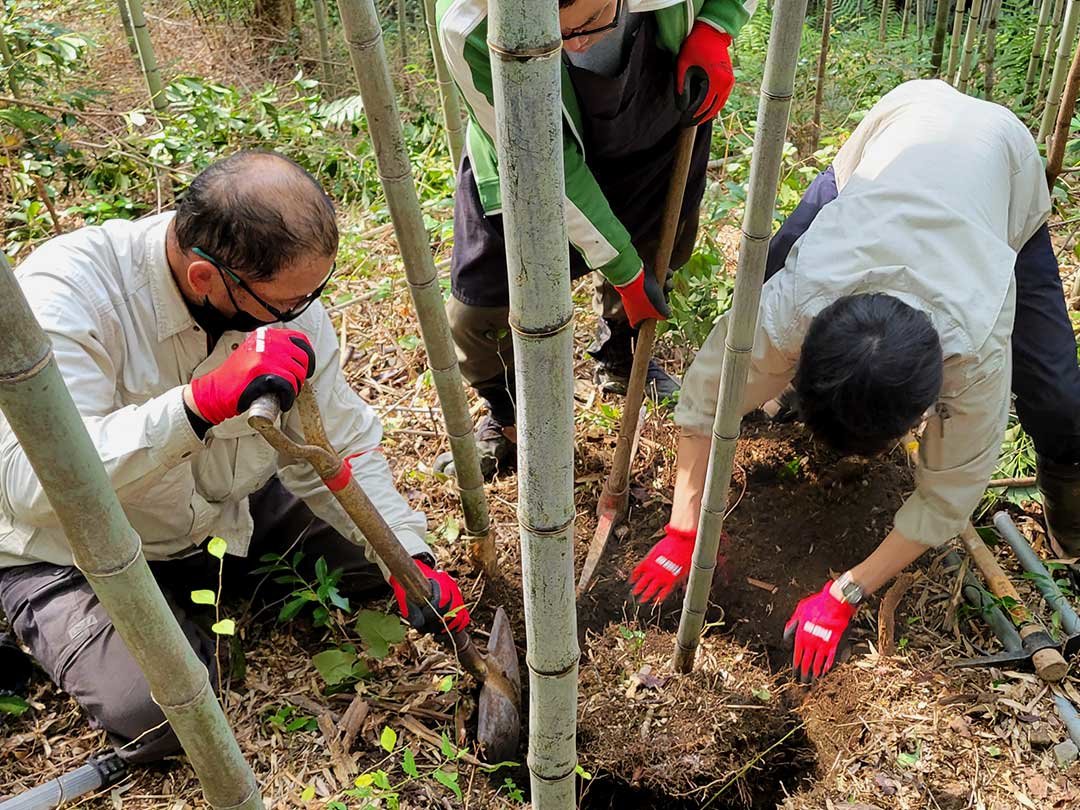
(546, 532)
(556, 673)
(114, 572)
(30, 371)
(568, 323)
(526, 54)
(204, 688)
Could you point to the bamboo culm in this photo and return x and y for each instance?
(884, 20)
(147, 57)
(954, 42)
(1045, 8)
(43, 417)
(941, 30)
(1061, 69)
(525, 42)
(773, 108)
(991, 51)
(904, 18)
(971, 37)
(448, 94)
(1056, 151)
(1048, 52)
(823, 59)
(403, 30)
(368, 54)
(322, 28)
(129, 30)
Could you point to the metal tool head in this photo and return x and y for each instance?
(1026, 659)
(499, 716)
(1018, 660)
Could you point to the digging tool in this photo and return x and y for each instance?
(614, 500)
(1045, 657)
(499, 717)
(101, 770)
(1070, 622)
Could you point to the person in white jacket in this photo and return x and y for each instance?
(915, 281)
(165, 330)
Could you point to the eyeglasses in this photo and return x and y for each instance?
(588, 32)
(284, 316)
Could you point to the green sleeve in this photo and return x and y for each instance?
(727, 15)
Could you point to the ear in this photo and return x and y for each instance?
(200, 275)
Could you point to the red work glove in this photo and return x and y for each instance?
(667, 565)
(446, 603)
(817, 624)
(703, 74)
(269, 361)
(643, 298)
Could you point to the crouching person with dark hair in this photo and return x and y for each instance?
(166, 330)
(915, 281)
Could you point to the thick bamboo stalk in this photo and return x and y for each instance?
(954, 42)
(322, 27)
(920, 20)
(525, 43)
(403, 31)
(1045, 8)
(819, 89)
(991, 51)
(40, 411)
(773, 108)
(147, 57)
(129, 29)
(971, 38)
(1048, 52)
(941, 29)
(367, 51)
(1056, 152)
(883, 22)
(1061, 69)
(448, 94)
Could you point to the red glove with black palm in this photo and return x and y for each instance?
(643, 298)
(818, 623)
(269, 361)
(446, 606)
(703, 74)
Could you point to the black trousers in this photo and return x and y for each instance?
(1046, 376)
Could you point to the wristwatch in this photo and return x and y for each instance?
(852, 590)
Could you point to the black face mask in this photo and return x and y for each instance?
(216, 324)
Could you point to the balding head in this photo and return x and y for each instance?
(256, 213)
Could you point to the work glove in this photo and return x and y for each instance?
(269, 361)
(818, 623)
(446, 604)
(642, 298)
(667, 565)
(703, 74)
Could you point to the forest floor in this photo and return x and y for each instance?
(903, 730)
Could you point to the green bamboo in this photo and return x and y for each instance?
(920, 20)
(1037, 45)
(991, 50)
(147, 57)
(525, 44)
(773, 108)
(1055, 152)
(129, 30)
(42, 415)
(451, 102)
(403, 31)
(954, 42)
(1061, 69)
(819, 89)
(368, 53)
(322, 27)
(971, 37)
(941, 29)
(1048, 54)
(904, 18)
(883, 21)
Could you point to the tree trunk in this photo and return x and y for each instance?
(971, 38)
(1048, 54)
(884, 21)
(954, 42)
(448, 94)
(819, 90)
(322, 27)
(1061, 69)
(403, 31)
(773, 108)
(1056, 152)
(129, 30)
(904, 18)
(368, 53)
(277, 16)
(1036, 47)
(941, 27)
(991, 49)
(920, 20)
(525, 59)
(108, 553)
(147, 57)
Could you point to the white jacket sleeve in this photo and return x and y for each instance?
(136, 443)
(353, 429)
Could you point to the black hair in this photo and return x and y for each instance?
(256, 212)
(870, 367)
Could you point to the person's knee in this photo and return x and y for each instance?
(482, 338)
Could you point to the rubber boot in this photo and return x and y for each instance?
(1059, 485)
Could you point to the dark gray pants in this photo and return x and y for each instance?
(54, 612)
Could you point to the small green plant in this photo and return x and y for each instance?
(635, 637)
(512, 791)
(13, 705)
(323, 595)
(791, 470)
(605, 415)
(289, 719)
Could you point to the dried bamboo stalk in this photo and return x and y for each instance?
(1061, 69)
(448, 94)
(954, 42)
(971, 38)
(1056, 152)
(941, 29)
(322, 27)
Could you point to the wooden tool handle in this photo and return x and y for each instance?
(1049, 663)
(996, 579)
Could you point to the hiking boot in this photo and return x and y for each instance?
(660, 386)
(495, 444)
(1060, 488)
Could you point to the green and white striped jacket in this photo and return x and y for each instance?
(592, 227)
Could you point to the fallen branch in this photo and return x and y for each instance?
(887, 613)
(1025, 481)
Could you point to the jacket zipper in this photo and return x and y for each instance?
(942, 411)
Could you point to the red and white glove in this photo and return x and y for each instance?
(818, 623)
(642, 298)
(446, 605)
(703, 74)
(269, 361)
